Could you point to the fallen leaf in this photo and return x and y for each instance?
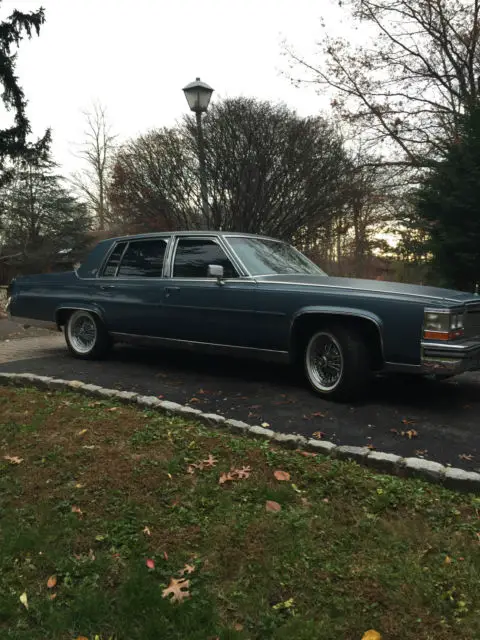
(91, 555)
(147, 531)
(150, 563)
(371, 447)
(408, 421)
(411, 433)
(420, 452)
(113, 409)
(447, 560)
(88, 446)
(318, 435)
(466, 456)
(319, 414)
(326, 500)
(165, 555)
(281, 476)
(24, 599)
(82, 432)
(51, 582)
(308, 454)
(271, 506)
(265, 424)
(210, 461)
(178, 589)
(82, 638)
(395, 431)
(305, 502)
(243, 473)
(76, 509)
(13, 459)
(238, 627)
(188, 568)
(235, 474)
(193, 400)
(52, 596)
(371, 635)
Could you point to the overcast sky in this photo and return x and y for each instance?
(136, 55)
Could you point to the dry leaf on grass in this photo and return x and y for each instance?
(13, 459)
(147, 531)
(411, 433)
(282, 476)
(308, 454)
(408, 421)
(76, 509)
(466, 456)
(82, 432)
(447, 560)
(371, 635)
(272, 506)
(178, 589)
(188, 568)
(52, 596)
(51, 582)
(24, 599)
(235, 474)
(150, 563)
(209, 463)
(318, 435)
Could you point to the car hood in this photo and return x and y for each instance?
(412, 291)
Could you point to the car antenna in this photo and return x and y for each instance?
(476, 290)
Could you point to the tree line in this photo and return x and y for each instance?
(398, 153)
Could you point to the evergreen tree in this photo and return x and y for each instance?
(41, 223)
(448, 207)
(14, 143)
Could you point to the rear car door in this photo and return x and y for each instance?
(202, 309)
(131, 287)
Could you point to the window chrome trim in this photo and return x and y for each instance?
(216, 240)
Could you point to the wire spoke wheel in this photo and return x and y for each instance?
(82, 332)
(324, 361)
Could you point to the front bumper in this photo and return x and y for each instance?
(450, 358)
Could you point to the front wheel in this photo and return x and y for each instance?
(337, 364)
(86, 336)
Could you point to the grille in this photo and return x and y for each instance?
(472, 321)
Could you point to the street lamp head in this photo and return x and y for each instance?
(198, 95)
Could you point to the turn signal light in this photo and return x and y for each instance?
(443, 335)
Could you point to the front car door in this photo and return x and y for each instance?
(199, 308)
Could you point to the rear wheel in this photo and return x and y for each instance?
(86, 336)
(337, 363)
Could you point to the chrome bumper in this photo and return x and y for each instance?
(450, 358)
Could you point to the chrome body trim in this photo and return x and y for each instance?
(450, 358)
(205, 347)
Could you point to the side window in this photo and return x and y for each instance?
(114, 260)
(143, 259)
(193, 256)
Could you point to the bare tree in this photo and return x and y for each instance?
(96, 152)
(268, 171)
(406, 88)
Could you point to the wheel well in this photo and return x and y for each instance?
(305, 326)
(62, 315)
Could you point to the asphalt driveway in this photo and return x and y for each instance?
(438, 421)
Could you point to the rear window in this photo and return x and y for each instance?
(114, 260)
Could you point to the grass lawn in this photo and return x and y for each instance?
(102, 505)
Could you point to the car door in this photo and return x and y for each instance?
(203, 309)
(131, 287)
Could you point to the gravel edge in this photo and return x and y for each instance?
(450, 477)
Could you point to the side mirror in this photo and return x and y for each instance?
(216, 271)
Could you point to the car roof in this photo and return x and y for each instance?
(159, 234)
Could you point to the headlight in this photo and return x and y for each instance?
(443, 325)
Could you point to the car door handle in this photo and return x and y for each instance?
(104, 287)
(169, 290)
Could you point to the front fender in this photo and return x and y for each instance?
(340, 311)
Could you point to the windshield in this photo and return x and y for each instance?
(270, 257)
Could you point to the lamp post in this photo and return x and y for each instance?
(198, 96)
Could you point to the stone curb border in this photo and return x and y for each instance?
(452, 478)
